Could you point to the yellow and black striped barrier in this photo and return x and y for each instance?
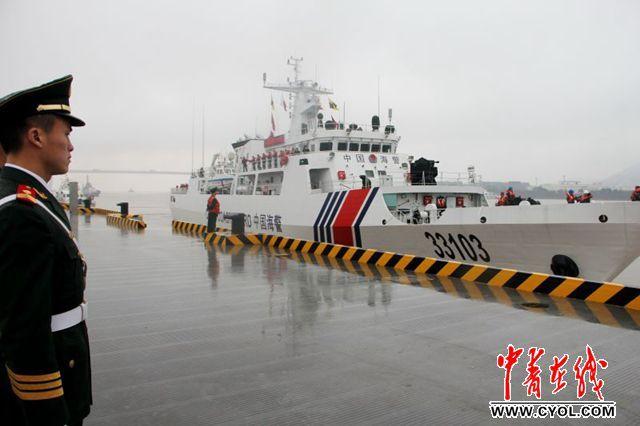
(221, 237)
(192, 228)
(231, 240)
(552, 285)
(134, 222)
(90, 210)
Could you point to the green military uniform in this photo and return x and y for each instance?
(45, 376)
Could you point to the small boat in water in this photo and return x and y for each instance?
(89, 191)
(347, 183)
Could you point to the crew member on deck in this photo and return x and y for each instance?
(213, 210)
(510, 196)
(501, 200)
(45, 375)
(571, 197)
(585, 197)
(635, 195)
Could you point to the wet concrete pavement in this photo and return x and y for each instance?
(182, 333)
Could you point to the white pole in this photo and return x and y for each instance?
(193, 130)
(378, 96)
(202, 136)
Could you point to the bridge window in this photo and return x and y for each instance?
(364, 147)
(326, 146)
(353, 147)
(375, 147)
(342, 146)
(245, 185)
(386, 148)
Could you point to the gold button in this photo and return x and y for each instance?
(72, 364)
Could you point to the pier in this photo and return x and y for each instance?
(188, 333)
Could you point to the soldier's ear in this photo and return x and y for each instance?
(34, 136)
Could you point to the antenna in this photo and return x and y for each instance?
(202, 136)
(378, 96)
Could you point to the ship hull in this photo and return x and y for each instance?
(601, 238)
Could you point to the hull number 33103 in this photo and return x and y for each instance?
(451, 245)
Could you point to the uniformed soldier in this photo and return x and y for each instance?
(45, 376)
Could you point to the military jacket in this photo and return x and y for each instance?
(46, 376)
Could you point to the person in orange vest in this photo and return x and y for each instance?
(501, 199)
(510, 196)
(213, 210)
(635, 195)
(585, 197)
(571, 197)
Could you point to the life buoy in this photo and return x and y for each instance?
(427, 199)
(373, 158)
(441, 203)
(342, 175)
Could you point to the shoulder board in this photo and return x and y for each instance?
(26, 194)
(40, 194)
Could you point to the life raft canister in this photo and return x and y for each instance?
(441, 203)
(427, 199)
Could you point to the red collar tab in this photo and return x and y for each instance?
(26, 194)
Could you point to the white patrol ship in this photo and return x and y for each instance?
(347, 184)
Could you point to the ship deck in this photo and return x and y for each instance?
(182, 333)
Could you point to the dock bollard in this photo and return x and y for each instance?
(124, 209)
(237, 222)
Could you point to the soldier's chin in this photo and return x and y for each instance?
(63, 170)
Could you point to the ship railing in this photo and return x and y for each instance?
(181, 190)
(410, 219)
(449, 178)
(386, 129)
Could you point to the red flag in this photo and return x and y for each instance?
(273, 123)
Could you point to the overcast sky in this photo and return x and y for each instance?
(523, 90)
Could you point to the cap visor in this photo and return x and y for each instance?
(74, 121)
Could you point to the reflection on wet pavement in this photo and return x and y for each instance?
(539, 303)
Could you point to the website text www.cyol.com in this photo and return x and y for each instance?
(552, 409)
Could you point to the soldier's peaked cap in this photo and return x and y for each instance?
(49, 98)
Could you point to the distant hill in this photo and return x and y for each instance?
(626, 179)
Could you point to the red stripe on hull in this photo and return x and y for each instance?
(342, 226)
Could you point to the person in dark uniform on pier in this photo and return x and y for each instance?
(45, 373)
